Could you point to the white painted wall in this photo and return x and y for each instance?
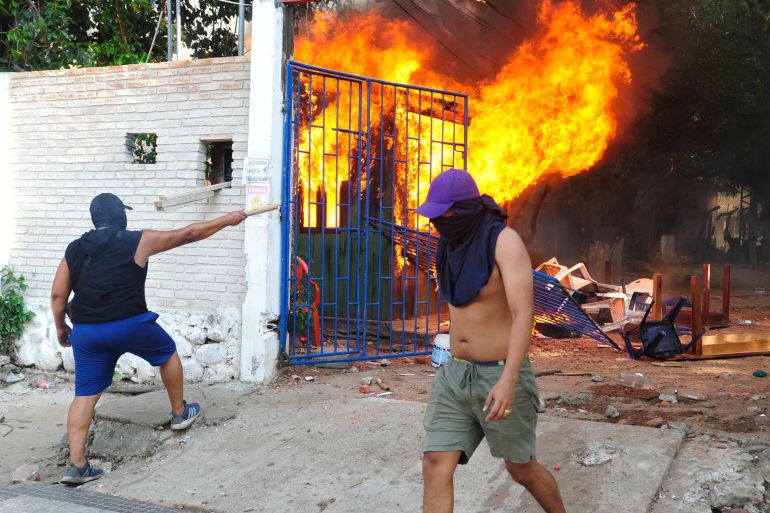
(6, 190)
(67, 131)
(259, 348)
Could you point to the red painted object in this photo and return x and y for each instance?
(300, 272)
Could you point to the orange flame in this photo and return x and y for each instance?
(549, 110)
(349, 46)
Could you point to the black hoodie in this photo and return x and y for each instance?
(107, 282)
(465, 256)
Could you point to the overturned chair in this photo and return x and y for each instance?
(660, 339)
(553, 302)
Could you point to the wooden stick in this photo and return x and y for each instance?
(262, 209)
(381, 384)
(696, 300)
(185, 198)
(706, 311)
(726, 292)
(657, 296)
(561, 373)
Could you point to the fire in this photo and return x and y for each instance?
(548, 110)
(398, 60)
(368, 44)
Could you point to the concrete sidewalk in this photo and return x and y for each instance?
(316, 448)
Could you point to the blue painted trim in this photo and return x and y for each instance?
(285, 211)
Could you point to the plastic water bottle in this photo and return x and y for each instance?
(441, 352)
(634, 380)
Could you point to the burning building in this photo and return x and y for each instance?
(379, 107)
(550, 109)
(528, 97)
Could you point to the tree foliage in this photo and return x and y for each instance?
(13, 311)
(715, 114)
(208, 30)
(52, 34)
(711, 122)
(737, 96)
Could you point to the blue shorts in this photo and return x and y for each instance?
(98, 345)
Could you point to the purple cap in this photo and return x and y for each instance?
(450, 186)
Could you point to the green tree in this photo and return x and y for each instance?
(712, 120)
(52, 34)
(210, 28)
(725, 90)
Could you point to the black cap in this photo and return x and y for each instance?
(108, 210)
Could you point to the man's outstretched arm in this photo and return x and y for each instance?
(157, 241)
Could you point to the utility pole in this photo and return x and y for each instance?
(240, 26)
(178, 28)
(170, 50)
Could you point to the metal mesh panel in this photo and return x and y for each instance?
(359, 156)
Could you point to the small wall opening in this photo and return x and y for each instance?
(219, 162)
(142, 147)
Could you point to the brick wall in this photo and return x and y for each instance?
(68, 131)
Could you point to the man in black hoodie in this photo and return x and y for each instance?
(107, 268)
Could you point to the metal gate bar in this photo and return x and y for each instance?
(359, 155)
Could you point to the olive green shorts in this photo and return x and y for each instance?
(454, 420)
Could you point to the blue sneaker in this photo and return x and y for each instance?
(191, 412)
(77, 476)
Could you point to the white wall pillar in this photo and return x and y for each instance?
(259, 346)
(7, 190)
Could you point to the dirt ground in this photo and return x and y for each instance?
(723, 393)
(729, 398)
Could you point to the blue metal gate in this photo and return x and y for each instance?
(359, 156)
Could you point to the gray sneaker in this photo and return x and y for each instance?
(77, 476)
(191, 412)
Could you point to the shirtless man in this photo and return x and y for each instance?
(487, 389)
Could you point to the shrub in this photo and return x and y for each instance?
(13, 312)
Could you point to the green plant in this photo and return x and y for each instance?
(298, 316)
(53, 34)
(209, 167)
(145, 146)
(13, 312)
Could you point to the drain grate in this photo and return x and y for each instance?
(89, 499)
(6, 494)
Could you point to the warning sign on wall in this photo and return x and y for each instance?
(256, 176)
(256, 170)
(257, 194)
